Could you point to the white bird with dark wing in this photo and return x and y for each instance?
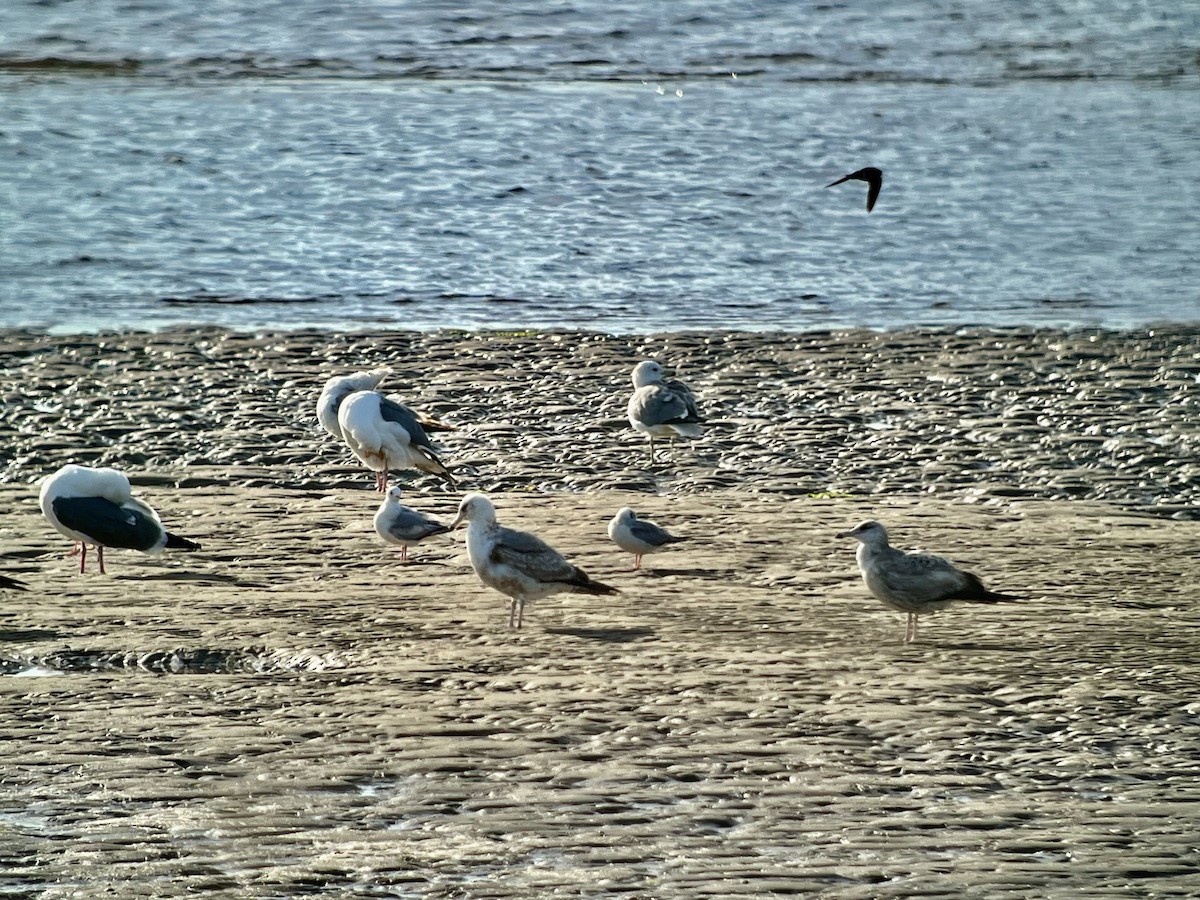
(518, 564)
(340, 387)
(638, 536)
(914, 583)
(96, 506)
(384, 434)
(662, 408)
(397, 524)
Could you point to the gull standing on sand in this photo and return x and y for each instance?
(662, 408)
(516, 563)
(397, 524)
(340, 387)
(913, 583)
(97, 507)
(638, 536)
(385, 434)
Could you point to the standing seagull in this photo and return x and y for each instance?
(661, 408)
(517, 563)
(913, 583)
(638, 536)
(97, 506)
(385, 434)
(397, 524)
(340, 387)
(874, 179)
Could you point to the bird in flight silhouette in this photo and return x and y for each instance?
(874, 179)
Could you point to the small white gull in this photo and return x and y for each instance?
(397, 524)
(96, 506)
(914, 583)
(384, 434)
(662, 408)
(518, 564)
(638, 536)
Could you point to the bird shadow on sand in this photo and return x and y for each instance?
(608, 635)
(16, 635)
(198, 577)
(658, 572)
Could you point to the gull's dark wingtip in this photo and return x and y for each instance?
(872, 176)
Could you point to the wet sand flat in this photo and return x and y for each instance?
(292, 712)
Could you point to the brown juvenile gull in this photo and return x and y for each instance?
(638, 536)
(516, 563)
(97, 507)
(397, 524)
(913, 583)
(340, 387)
(874, 179)
(385, 434)
(662, 408)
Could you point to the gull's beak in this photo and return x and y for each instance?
(459, 521)
(839, 181)
(853, 532)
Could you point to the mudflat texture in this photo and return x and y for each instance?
(292, 712)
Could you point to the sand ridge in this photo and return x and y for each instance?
(292, 712)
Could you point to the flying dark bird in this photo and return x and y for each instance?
(874, 179)
(914, 583)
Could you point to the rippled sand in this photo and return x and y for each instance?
(292, 712)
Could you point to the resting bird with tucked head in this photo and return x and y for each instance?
(397, 524)
(662, 408)
(914, 583)
(384, 434)
(638, 536)
(340, 387)
(97, 507)
(517, 564)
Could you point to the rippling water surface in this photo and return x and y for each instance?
(614, 165)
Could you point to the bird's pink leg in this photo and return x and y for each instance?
(404, 553)
(100, 556)
(82, 557)
(637, 564)
(512, 612)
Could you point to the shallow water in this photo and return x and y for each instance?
(596, 166)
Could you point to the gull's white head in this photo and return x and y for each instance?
(647, 372)
(625, 514)
(869, 532)
(394, 494)
(356, 381)
(474, 508)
